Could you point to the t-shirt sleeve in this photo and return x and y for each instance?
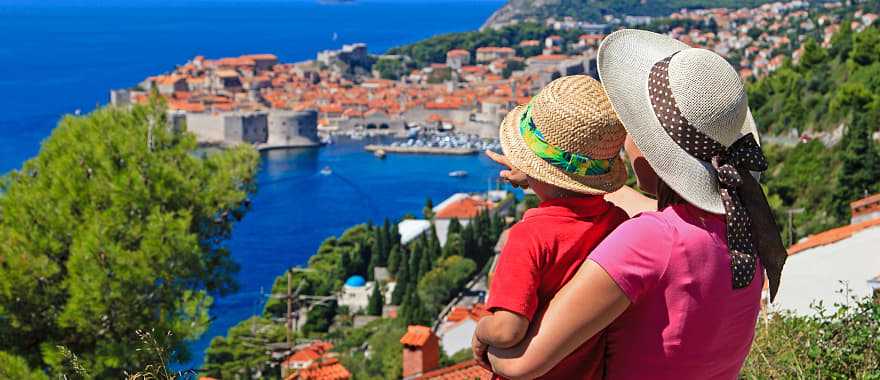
(636, 254)
(517, 276)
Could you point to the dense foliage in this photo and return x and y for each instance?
(595, 10)
(827, 89)
(843, 344)
(427, 276)
(433, 50)
(242, 353)
(116, 226)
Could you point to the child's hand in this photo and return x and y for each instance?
(481, 352)
(512, 175)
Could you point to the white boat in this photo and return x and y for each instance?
(326, 171)
(379, 153)
(458, 173)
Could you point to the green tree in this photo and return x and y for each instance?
(512, 65)
(860, 166)
(374, 307)
(454, 246)
(813, 54)
(394, 260)
(117, 226)
(242, 353)
(866, 47)
(454, 226)
(14, 367)
(389, 68)
(440, 284)
(428, 210)
(402, 284)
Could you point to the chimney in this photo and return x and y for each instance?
(865, 209)
(421, 351)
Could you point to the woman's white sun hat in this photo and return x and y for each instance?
(708, 93)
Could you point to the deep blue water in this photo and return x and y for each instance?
(58, 56)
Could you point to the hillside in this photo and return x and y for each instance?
(593, 10)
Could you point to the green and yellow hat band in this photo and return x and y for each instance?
(572, 163)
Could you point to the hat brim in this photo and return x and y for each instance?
(521, 157)
(624, 62)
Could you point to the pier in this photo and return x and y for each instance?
(421, 149)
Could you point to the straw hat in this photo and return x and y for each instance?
(707, 91)
(573, 119)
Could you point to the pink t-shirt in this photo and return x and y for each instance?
(686, 321)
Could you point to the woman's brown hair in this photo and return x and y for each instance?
(666, 196)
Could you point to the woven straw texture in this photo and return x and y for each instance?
(573, 113)
(707, 90)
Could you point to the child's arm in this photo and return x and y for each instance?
(503, 329)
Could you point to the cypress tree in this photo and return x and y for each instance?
(394, 260)
(428, 211)
(374, 307)
(454, 226)
(397, 296)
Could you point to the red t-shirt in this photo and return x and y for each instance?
(543, 251)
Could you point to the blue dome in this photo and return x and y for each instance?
(355, 281)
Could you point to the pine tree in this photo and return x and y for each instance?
(117, 225)
(374, 307)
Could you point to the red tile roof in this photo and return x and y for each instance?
(328, 369)
(832, 236)
(866, 205)
(476, 313)
(465, 208)
(416, 336)
(457, 53)
(468, 370)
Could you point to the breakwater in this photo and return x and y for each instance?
(420, 149)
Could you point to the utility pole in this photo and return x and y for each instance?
(791, 212)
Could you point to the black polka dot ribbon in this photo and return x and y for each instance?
(741, 156)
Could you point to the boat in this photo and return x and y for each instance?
(379, 153)
(458, 173)
(326, 171)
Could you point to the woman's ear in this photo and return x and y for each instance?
(645, 175)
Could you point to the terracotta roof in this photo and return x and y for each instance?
(831, 236)
(305, 355)
(258, 57)
(329, 369)
(549, 57)
(465, 208)
(416, 336)
(457, 53)
(476, 312)
(495, 49)
(468, 370)
(866, 202)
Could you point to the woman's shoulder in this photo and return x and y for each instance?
(646, 221)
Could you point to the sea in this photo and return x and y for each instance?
(61, 57)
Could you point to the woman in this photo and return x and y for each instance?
(679, 289)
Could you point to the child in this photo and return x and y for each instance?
(567, 142)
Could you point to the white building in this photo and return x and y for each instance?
(822, 265)
(356, 294)
(458, 328)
